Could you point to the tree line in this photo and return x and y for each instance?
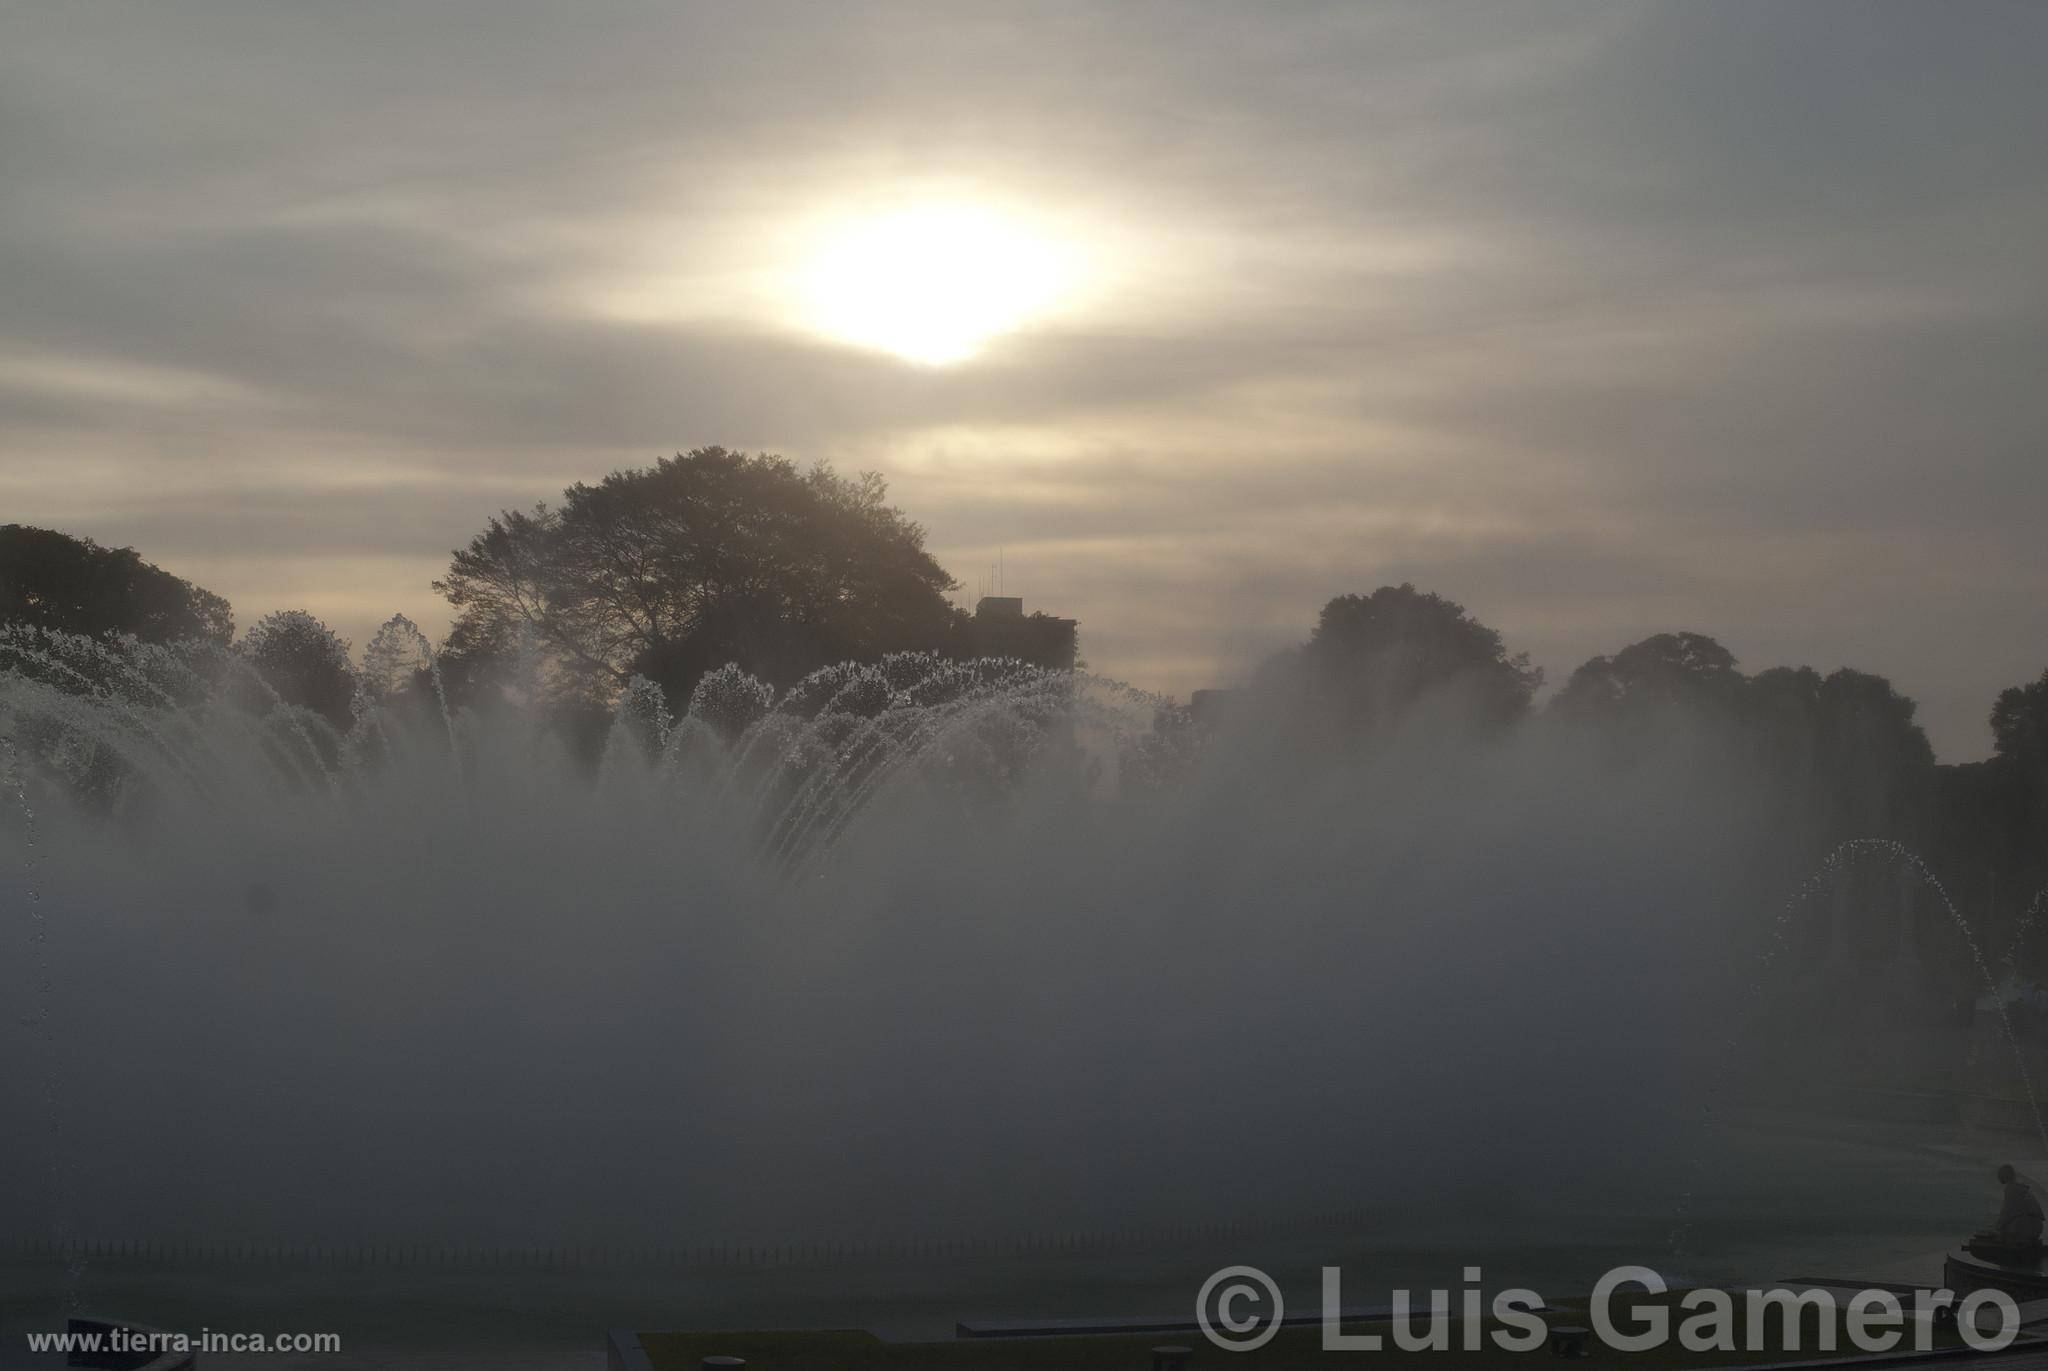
(714, 557)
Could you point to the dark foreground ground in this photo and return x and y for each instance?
(1818, 1196)
(1289, 1349)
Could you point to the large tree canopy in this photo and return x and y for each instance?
(1664, 672)
(1838, 754)
(73, 585)
(703, 559)
(1371, 657)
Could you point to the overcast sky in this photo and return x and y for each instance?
(1601, 319)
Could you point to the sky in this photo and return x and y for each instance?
(1603, 320)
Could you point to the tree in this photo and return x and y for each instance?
(397, 661)
(1820, 759)
(704, 559)
(1660, 673)
(304, 662)
(476, 657)
(2019, 723)
(73, 585)
(1877, 762)
(2018, 779)
(1783, 712)
(1374, 656)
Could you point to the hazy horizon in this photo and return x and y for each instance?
(1602, 320)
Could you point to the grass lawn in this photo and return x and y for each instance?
(1292, 1347)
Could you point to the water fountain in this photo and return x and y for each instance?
(913, 956)
(1743, 1038)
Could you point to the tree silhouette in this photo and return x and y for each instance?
(73, 585)
(2019, 723)
(304, 662)
(1372, 657)
(1879, 760)
(2019, 729)
(1658, 674)
(703, 559)
(396, 662)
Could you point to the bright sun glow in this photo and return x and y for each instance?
(932, 284)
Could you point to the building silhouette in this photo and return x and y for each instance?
(1001, 628)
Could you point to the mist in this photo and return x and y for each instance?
(459, 987)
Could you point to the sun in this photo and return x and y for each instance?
(934, 283)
